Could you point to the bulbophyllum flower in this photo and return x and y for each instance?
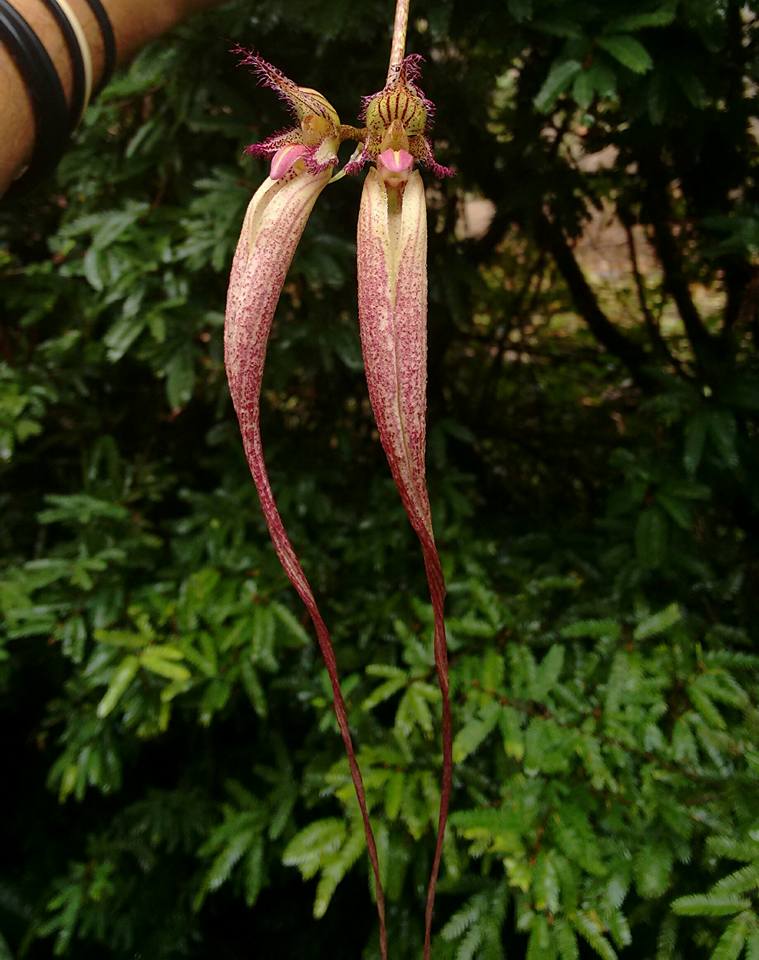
(392, 310)
(398, 118)
(315, 139)
(273, 225)
(392, 301)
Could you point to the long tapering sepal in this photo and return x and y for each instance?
(392, 304)
(273, 225)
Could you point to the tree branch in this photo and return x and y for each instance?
(659, 214)
(654, 330)
(630, 353)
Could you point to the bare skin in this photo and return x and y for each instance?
(135, 22)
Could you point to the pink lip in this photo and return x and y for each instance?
(397, 161)
(285, 158)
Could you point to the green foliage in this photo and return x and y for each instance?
(177, 781)
(734, 896)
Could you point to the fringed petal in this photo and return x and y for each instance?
(268, 147)
(300, 100)
(321, 157)
(356, 162)
(422, 150)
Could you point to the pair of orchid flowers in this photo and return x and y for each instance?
(392, 307)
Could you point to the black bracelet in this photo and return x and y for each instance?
(51, 113)
(109, 42)
(75, 55)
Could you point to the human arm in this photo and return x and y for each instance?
(135, 22)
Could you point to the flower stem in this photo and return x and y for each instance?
(398, 48)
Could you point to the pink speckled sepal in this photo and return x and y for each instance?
(392, 308)
(273, 225)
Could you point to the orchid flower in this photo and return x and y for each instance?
(398, 119)
(301, 162)
(392, 310)
(392, 301)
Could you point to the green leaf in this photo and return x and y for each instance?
(253, 688)
(548, 747)
(546, 884)
(577, 840)
(744, 880)
(225, 861)
(595, 629)
(463, 919)
(677, 509)
(651, 537)
(510, 723)
(652, 867)
(660, 17)
(122, 335)
(334, 871)
(547, 674)
(658, 622)
(122, 638)
(151, 661)
(619, 928)
(5, 950)
(540, 945)
(723, 432)
(471, 944)
(474, 732)
(254, 871)
(691, 85)
(120, 680)
(384, 691)
(291, 624)
(558, 80)
(666, 941)
(628, 51)
(414, 710)
(592, 935)
(708, 905)
(309, 849)
(583, 89)
(180, 379)
(731, 942)
(703, 703)
(394, 794)
(566, 941)
(95, 268)
(114, 223)
(733, 848)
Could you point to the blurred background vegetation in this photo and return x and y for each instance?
(173, 782)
